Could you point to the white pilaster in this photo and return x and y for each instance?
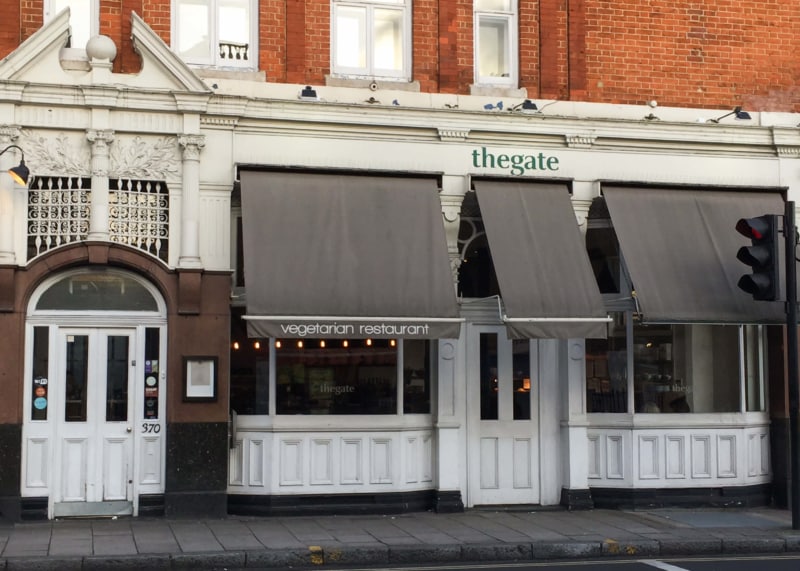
(8, 135)
(100, 140)
(451, 196)
(583, 192)
(190, 211)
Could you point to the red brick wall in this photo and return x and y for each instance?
(699, 53)
(711, 53)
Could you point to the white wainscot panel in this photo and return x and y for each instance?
(255, 462)
(352, 461)
(115, 468)
(412, 457)
(381, 461)
(648, 457)
(523, 477)
(675, 452)
(73, 469)
(426, 462)
(701, 456)
(489, 460)
(321, 461)
(615, 457)
(150, 463)
(236, 464)
(595, 455)
(726, 455)
(36, 462)
(757, 454)
(291, 462)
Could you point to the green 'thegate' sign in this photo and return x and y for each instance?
(516, 164)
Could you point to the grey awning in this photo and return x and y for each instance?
(329, 255)
(680, 249)
(543, 271)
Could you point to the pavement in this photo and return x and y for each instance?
(478, 535)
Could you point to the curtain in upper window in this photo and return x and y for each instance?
(496, 42)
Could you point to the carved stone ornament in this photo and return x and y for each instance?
(135, 158)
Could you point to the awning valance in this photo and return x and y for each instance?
(543, 270)
(680, 250)
(345, 256)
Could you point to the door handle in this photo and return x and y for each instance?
(129, 429)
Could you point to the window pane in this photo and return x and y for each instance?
(351, 34)
(686, 368)
(753, 367)
(77, 370)
(493, 41)
(234, 31)
(521, 351)
(416, 377)
(249, 369)
(97, 291)
(194, 39)
(493, 5)
(80, 20)
(117, 379)
(488, 377)
(606, 369)
(151, 372)
(388, 39)
(41, 385)
(603, 250)
(333, 376)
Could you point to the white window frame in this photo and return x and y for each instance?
(51, 11)
(213, 58)
(510, 18)
(370, 71)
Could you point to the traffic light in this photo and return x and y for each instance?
(762, 256)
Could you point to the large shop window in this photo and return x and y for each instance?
(218, 33)
(371, 38)
(676, 368)
(330, 376)
(684, 338)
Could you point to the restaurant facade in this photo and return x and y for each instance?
(222, 296)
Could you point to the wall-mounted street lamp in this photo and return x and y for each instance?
(19, 173)
(737, 112)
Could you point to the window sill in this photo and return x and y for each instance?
(372, 84)
(497, 91)
(217, 73)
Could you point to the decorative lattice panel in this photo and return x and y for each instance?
(139, 215)
(58, 212)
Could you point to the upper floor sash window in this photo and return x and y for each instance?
(496, 42)
(371, 39)
(215, 33)
(84, 19)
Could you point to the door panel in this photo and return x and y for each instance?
(503, 444)
(95, 455)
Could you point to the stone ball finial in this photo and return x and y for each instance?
(101, 48)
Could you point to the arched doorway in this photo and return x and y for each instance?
(94, 397)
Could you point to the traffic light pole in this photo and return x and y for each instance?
(790, 235)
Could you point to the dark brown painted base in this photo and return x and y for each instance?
(31, 509)
(332, 504)
(448, 502)
(151, 505)
(195, 504)
(576, 499)
(735, 496)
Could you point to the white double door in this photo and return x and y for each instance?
(94, 420)
(502, 433)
